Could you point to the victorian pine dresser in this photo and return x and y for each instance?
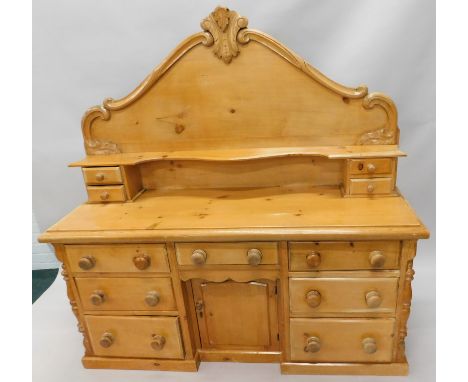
(241, 207)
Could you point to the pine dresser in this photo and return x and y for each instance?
(241, 207)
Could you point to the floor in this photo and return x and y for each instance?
(42, 279)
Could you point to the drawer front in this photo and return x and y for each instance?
(305, 256)
(374, 186)
(309, 296)
(370, 166)
(226, 253)
(139, 337)
(144, 293)
(139, 258)
(102, 175)
(105, 194)
(341, 340)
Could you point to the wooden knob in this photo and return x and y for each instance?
(313, 298)
(152, 298)
(199, 257)
(105, 195)
(370, 188)
(254, 256)
(373, 299)
(142, 261)
(158, 342)
(369, 345)
(97, 297)
(87, 262)
(100, 176)
(377, 259)
(107, 339)
(313, 259)
(312, 345)
(370, 168)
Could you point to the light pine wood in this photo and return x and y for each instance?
(341, 368)
(370, 166)
(102, 175)
(218, 355)
(189, 365)
(106, 194)
(370, 187)
(133, 336)
(132, 181)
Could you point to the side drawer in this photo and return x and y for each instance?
(144, 293)
(226, 253)
(341, 340)
(370, 166)
(118, 258)
(304, 256)
(102, 175)
(105, 194)
(139, 337)
(371, 186)
(310, 296)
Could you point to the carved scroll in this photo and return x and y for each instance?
(405, 311)
(75, 310)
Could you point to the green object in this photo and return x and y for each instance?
(41, 281)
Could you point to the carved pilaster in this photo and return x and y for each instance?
(405, 311)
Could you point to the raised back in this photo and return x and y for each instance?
(253, 92)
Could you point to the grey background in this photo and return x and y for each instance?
(87, 50)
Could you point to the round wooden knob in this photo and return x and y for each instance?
(152, 298)
(199, 257)
(373, 299)
(369, 345)
(158, 342)
(370, 168)
(377, 259)
(370, 188)
(313, 298)
(97, 297)
(105, 195)
(142, 261)
(312, 345)
(107, 339)
(254, 256)
(313, 259)
(87, 262)
(100, 176)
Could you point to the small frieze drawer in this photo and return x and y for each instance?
(373, 186)
(105, 194)
(372, 166)
(102, 175)
(138, 258)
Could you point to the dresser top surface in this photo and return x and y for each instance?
(294, 210)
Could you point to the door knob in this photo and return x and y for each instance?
(87, 262)
(254, 256)
(312, 345)
(199, 257)
(142, 261)
(377, 259)
(313, 259)
(313, 298)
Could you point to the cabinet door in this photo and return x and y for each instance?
(235, 315)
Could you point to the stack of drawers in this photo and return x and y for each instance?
(343, 297)
(126, 296)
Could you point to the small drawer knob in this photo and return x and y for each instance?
(312, 345)
(313, 298)
(97, 297)
(142, 261)
(152, 298)
(158, 342)
(369, 345)
(371, 168)
(373, 299)
(107, 339)
(100, 176)
(313, 259)
(199, 257)
(377, 259)
(370, 188)
(87, 262)
(105, 195)
(254, 256)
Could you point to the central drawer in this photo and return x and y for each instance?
(145, 337)
(142, 293)
(253, 253)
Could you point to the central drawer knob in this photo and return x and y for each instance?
(87, 262)
(142, 261)
(313, 298)
(97, 297)
(152, 298)
(313, 259)
(370, 188)
(105, 195)
(100, 176)
(371, 168)
(373, 299)
(107, 339)
(369, 345)
(377, 259)
(312, 345)
(254, 256)
(199, 257)
(158, 342)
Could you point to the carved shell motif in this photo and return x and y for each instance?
(224, 25)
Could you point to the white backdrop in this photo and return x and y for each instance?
(87, 50)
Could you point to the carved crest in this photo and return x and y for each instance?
(224, 25)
